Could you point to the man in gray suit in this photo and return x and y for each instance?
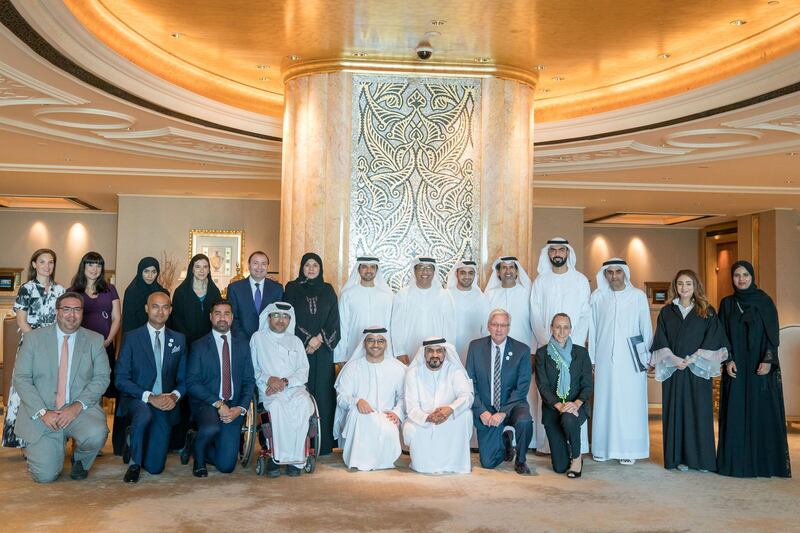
(60, 374)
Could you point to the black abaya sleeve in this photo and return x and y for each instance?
(330, 328)
(660, 336)
(714, 338)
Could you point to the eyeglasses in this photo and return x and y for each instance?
(497, 325)
(68, 310)
(279, 315)
(376, 341)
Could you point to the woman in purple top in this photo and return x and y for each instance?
(102, 313)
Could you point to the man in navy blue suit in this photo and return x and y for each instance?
(150, 376)
(500, 370)
(251, 295)
(220, 382)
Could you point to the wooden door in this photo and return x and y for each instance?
(727, 254)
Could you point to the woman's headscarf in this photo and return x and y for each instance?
(756, 304)
(136, 294)
(310, 285)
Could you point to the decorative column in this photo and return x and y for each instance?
(394, 163)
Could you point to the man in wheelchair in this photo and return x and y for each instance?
(281, 371)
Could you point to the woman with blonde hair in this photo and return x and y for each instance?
(688, 349)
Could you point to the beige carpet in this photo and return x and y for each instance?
(609, 497)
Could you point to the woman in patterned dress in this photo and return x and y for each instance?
(35, 307)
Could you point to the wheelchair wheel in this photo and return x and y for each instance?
(261, 466)
(248, 438)
(311, 464)
(317, 435)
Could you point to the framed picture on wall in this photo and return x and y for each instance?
(657, 291)
(224, 248)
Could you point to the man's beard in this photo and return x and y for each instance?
(434, 362)
(558, 261)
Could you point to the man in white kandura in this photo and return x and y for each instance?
(365, 299)
(369, 404)
(421, 309)
(558, 288)
(619, 313)
(471, 305)
(281, 371)
(509, 288)
(438, 399)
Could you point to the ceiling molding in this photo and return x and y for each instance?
(663, 187)
(184, 197)
(43, 115)
(50, 30)
(45, 94)
(268, 174)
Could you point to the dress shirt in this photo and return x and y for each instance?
(684, 310)
(218, 341)
(494, 347)
(253, 288)
(71, 347)
(152, 331)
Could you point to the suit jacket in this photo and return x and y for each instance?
(203, 372)
(515, 375)
(135, 371)
(245, 314)
(581, 382)
(36, 376)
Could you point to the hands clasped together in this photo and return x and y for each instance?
(59, 419)
(365, 408)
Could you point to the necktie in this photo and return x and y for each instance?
(226, 369)
(498, 361)
(157, 352)
(258, 297)
(63, 365)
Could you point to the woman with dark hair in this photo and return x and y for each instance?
(102, 314)
(317, 325)
(143, 285)
(35, 307)
(752, 418)
(688, 349)
(191, 303)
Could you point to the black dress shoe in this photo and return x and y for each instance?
(273, 469)
(78, 472)
(293, 471)
(186, 452)
(522, 469)
(509, 449)
(132, 475)
(126, 446)
(199, 470)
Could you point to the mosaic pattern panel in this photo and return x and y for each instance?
(415, 183)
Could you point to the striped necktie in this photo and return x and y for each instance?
(157, 351)
(498, 361)
(63, 369)
(226, 369)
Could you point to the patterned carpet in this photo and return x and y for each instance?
(609, 497)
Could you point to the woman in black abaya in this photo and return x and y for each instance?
(752, 419)
(688, 349)
(317, 325)
(143, 285)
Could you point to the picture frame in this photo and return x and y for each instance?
(10, 279)
(225, 251)
(657, 291)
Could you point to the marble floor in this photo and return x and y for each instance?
(609, 497)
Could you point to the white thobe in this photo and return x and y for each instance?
(359, 308)
(619, 428)
(291, 408)
(471, 314)
(443, 447)
(553, 293)
(371, 441)
(419, 314)
(517, 301)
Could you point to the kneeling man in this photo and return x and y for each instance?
(438, 398)
(281, 369)
(219, 379)
(150, 377)
(60, 374)
(370, 404)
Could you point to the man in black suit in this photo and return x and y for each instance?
(150, 376)
(252, 295)
(500, 370)
(220, 382)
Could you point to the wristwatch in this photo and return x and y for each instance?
(285, 381)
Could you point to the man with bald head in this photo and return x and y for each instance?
(150, 376)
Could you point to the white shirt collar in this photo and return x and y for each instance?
(153, 330)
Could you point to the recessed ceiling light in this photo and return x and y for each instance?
(176, 35)
(438, 22)
(432, 33)
(545, 90)
(262, 67)
(738, 22)
(294, 57)
(664, 56)
(263, 78)
(557, 78)
(482, 59)
(773, 3)
(539, 67)
(359, 54)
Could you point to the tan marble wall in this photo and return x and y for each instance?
(315, 185)
(317, 147)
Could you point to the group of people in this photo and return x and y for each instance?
(438, 368)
